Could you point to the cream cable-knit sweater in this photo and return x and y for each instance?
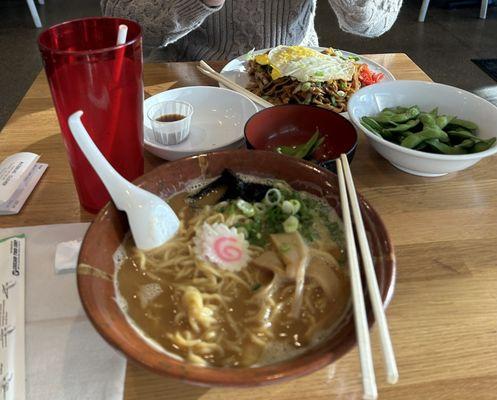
(177, 30)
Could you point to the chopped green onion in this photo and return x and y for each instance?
(290, 206)
(291, 224)
(273, 197)
(243, 231)
(319, 73)
(245, 207)
(295, 205)
(306, 86)
(341, 93)
(287, 207)
(259, 207)
(231, 209)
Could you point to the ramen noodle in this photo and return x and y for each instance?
(251, 278)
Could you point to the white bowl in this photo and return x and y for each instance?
(427, 95)
(217, 122)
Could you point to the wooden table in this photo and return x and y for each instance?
(443, 317)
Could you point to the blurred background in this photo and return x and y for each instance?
(442, 46)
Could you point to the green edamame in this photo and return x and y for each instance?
(413, 140)
(464, 124)
(403, 127)
(483, 145)
(427, 131)
(466, 144)
(443, 120)
(463, 134)
(444, 148)
(387, 116)
(372, 125)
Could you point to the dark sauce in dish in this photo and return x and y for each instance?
(170, 118)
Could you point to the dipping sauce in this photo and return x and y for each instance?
(170, 118)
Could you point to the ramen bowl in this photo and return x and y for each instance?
(96, 268)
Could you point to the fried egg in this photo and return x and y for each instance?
(306, 65)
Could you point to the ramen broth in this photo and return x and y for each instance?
(210, 316)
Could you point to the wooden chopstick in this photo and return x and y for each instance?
(361, 323)
(235, 87)
(208, 71)
(374, 292)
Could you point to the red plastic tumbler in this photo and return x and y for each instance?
(87, 71)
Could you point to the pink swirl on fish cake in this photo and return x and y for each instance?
(226, 251)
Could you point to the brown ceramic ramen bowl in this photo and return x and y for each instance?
(96, 267)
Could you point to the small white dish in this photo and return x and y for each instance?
(218, 121)
(173, 131)
(427, 96)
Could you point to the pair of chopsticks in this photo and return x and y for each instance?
(346, 185)
(208, 71)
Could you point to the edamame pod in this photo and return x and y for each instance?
(466, 144)
(444, 148)
(396, 109)
(404, 127)
(464, 135)
(483, 145)
(415, 139)
(443, 120)
(372, 125)
(464, 124)
(387, 116)
(428, 120)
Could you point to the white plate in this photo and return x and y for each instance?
(236, 70)
(219, 116)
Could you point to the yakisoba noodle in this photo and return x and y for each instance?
(211, 316)
(332, 95)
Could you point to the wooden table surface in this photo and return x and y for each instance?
(443, 317)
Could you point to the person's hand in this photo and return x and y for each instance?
(213, 3)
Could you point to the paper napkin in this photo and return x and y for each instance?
(66, 359)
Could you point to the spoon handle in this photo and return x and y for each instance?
(115, 183)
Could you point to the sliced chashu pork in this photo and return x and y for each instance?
(292, 255)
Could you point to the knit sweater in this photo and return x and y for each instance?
(181, 30)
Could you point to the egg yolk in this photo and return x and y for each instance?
(293, 53)
(262, 59)
(275, 73)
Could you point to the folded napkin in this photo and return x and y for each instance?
(66, 359)
(66, 256)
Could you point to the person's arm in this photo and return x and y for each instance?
(369, 18)
(162, 21)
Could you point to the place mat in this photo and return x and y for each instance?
(487, 65)
(66, 359)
